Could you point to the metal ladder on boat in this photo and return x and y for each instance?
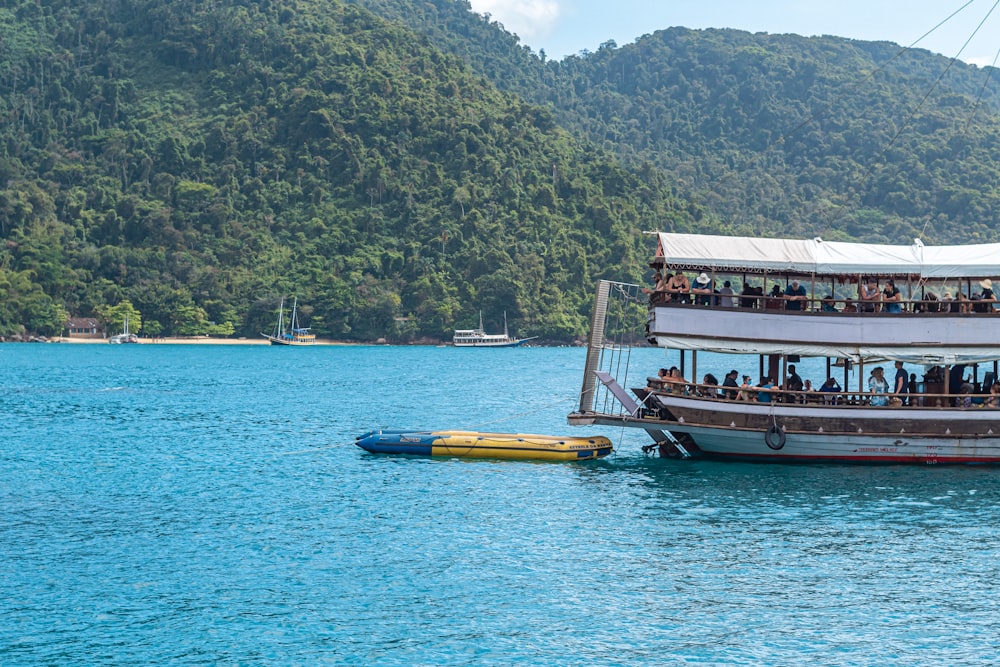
(633, 409)
(591, 374)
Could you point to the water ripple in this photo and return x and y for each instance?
(198, 506)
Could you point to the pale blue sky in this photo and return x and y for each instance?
(563, 27)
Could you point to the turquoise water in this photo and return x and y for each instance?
(205, 505)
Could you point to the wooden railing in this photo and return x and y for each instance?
(841, 398)
(828, 306)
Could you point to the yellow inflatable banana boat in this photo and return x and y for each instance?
(473, 444)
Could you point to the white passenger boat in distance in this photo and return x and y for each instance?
(857, 306)
(479, 337)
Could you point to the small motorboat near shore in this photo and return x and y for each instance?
(473, 444)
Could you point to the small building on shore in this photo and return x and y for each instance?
(84, 327)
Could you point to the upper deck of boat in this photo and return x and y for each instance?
(827, 316)
(928, 337)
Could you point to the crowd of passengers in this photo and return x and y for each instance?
(901, 392)
(872, 297)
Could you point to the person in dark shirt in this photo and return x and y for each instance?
(891, 297)
(956, 378)
(793, 383)
(987, 298)
(795, 295)
(901, 386)
(730, 381)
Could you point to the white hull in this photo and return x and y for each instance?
(718, 442)
(479, 337)
(491, 343)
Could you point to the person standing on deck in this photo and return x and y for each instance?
(987, 298)
(730, 381)
(795, 295)
(793, 383)
(701, 291)
(901, 388)
(891, 297)
(726, 296)
(678, 288)
(870, 296)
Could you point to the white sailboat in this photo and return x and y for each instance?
(479, 337)
(125, 336)
(294, 335)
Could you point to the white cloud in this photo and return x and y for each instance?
(528, 19)
(981, 61)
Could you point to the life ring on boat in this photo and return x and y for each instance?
(774, 436)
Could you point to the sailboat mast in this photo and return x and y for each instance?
(505, 335)
(281, 318)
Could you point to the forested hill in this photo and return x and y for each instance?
(400, 165)
(187, 163)
(774, 134)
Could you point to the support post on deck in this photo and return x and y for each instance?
(595, 346)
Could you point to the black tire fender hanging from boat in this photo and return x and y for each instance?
(774, 436)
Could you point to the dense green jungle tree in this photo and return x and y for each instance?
(773, 134)
(203, 159)
(115, 317)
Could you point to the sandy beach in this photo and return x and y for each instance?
(186, 340)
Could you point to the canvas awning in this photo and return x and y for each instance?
(815, 256)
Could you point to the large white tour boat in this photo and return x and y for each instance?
(479, 337)
(849, 307)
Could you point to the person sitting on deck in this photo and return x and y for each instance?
(961, 303)
(830, 387)
(891, 297)
(869, 295)
(730, 381)
(751, 296)
(673, 382)
(746, 389)
(994, 398)
(987, 298)
(810, 395)
(660, 381)
(849, 305)
(726, 295)
(795, 296)
(829, 304)
(680, 384)
(658, 294)
(949, 305)
(764, 390)
(710, 388)
(701, 291)
(775, 300)
(931, 304)
(879, 388)
(678, 288)
(964, 399)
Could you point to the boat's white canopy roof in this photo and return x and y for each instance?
(815, 256)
